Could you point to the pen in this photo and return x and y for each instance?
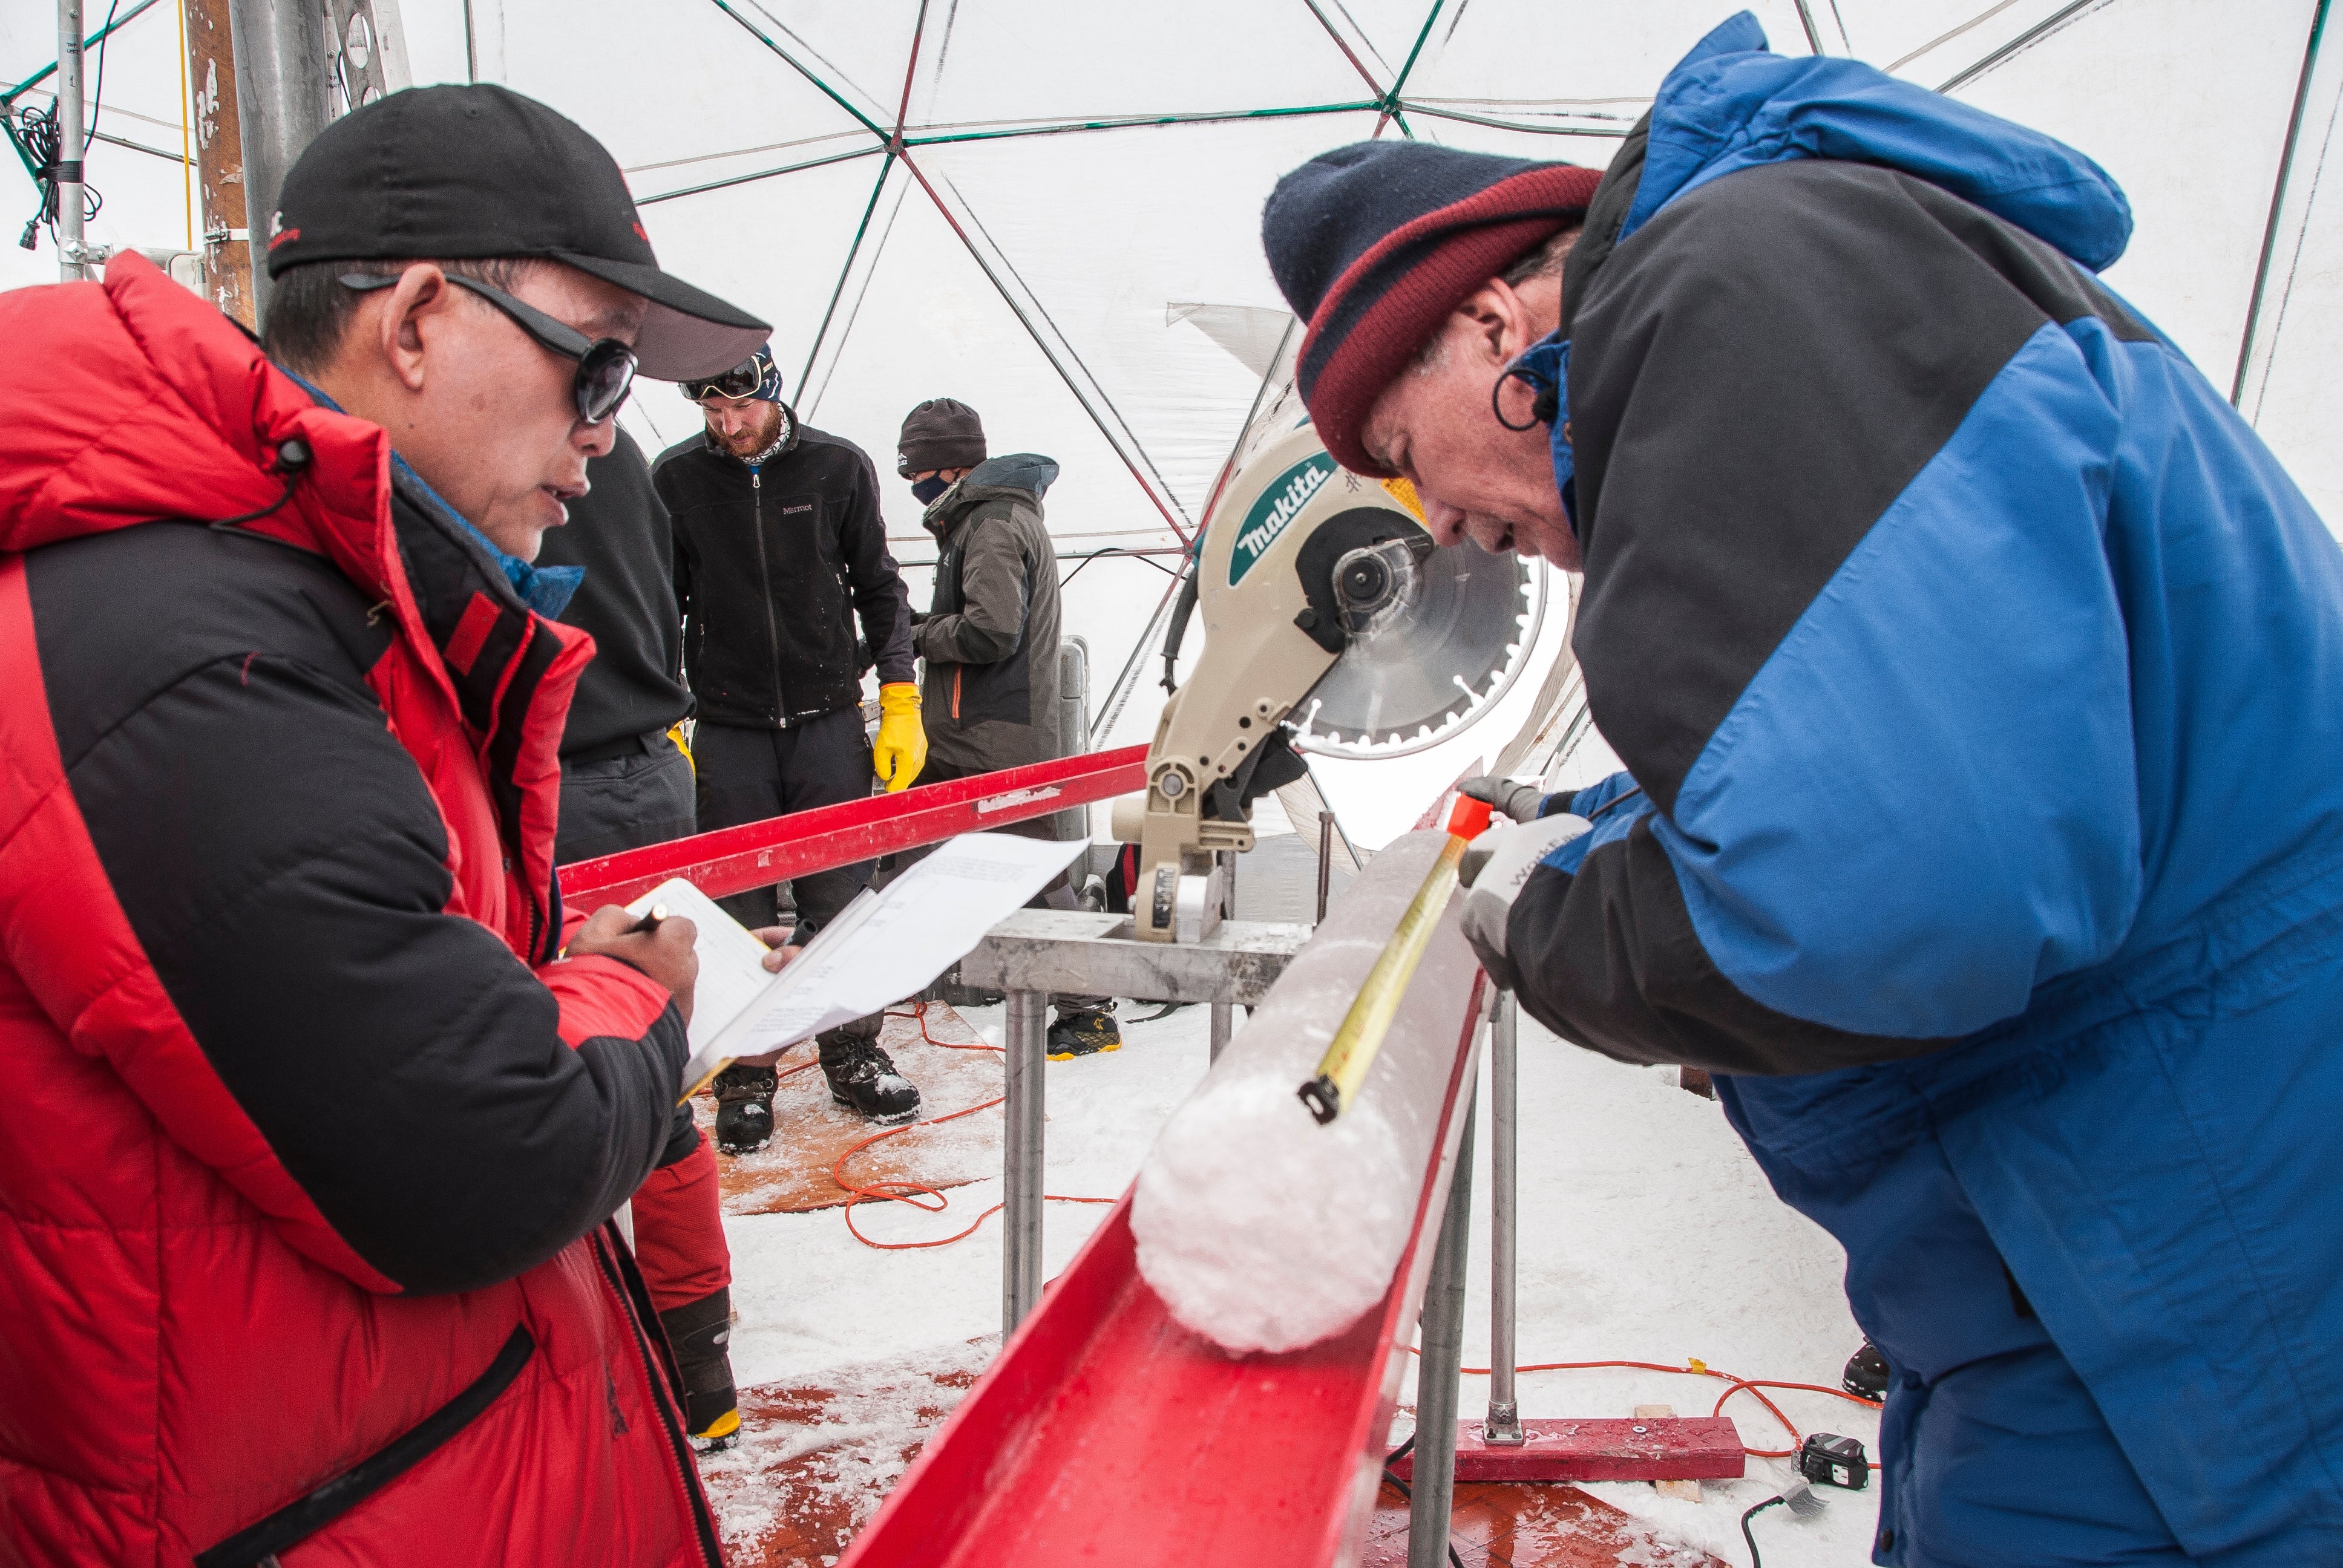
(650, 923)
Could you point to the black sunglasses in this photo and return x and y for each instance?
(741, 381)
(606, 367)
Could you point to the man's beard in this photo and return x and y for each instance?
(749, 443)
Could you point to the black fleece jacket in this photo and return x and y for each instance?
(618, 531)
(773, 567)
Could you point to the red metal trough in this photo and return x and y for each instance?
(759, 854)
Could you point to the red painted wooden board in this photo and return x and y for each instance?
(759, 854)
(1667, 1448)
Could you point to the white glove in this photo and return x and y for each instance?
(1495, 867)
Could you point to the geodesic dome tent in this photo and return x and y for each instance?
(1050, 208)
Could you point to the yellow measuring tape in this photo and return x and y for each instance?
(1360, 1039)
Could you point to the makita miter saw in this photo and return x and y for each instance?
(1332, 625)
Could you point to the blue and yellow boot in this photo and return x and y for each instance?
(1083, 1032)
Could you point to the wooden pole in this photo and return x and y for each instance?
(219, 160)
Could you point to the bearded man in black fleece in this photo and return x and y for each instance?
(779, 550)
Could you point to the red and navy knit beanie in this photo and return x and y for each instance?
(1375, 243)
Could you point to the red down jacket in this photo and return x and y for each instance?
(308, 1141)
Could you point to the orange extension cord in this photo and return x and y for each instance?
(1702, 1369)
(916, 1193)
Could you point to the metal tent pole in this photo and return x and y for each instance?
(2277, 211)
(71, 138)
(1502, 1429)
(283, 77)
(1440, 1339)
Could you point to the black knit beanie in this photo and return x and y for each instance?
(941, 433)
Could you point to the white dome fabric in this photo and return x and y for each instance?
(1067, 237)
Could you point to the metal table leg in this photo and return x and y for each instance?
(1022, 1150)
(1504, 1427)
(1441, 1342)
(1222, 1025)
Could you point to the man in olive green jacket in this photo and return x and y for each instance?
(990, 640)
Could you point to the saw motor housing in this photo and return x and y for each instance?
(1299, 557)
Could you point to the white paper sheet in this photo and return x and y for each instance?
(882, 947)
(731, 961)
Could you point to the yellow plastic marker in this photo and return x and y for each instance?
(1357, 1042)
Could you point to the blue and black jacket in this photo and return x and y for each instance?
(1979, 675)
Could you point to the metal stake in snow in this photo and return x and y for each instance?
(1352, 1050)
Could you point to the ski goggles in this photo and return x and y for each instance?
(606, 367)
(746, 379)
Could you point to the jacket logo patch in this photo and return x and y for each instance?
(1278, 505)
(800, 506)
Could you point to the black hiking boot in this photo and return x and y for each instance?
(1083, 1032)
(1866, 1373)
(863, 1078)
(698, 1332)
(744, 1109)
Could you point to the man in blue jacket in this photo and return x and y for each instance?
(1980, 676)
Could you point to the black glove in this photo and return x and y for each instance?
(1516, 798)
(1495, 867)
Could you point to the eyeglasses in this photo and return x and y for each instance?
(741, 381)
(606, 367)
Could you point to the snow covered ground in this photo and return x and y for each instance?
(1648, 1234)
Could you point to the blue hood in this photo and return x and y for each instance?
(1730, 104)
(1013, 471)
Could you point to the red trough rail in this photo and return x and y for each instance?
(758, 854)
(1106, 1435)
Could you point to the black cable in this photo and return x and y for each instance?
(1755, 1560)
(97, 97)
(1396, 1485)
(37, 129)
(1114, 550)
(42, 135)
(1174, 636)
(292, 461)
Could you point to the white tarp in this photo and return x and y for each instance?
(1100, 294)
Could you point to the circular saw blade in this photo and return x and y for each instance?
(1435, 667)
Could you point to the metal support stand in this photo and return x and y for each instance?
(1021, 1252)
(1504, 1427)
(1440, 1339)
(1035, 952)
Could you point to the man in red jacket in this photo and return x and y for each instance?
(312, 1132)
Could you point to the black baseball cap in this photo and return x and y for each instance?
(460, 173)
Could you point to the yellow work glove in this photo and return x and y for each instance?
(902, 749)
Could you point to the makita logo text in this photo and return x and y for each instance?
(1277, 508)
